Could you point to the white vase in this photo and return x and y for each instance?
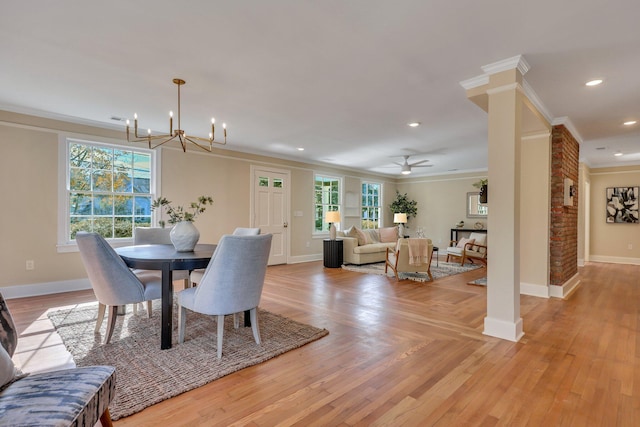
(184, 236)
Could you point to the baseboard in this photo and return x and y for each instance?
(304, 258)
(580, 262)
(566, 289)
(511, 331)
(47, 288)
(534, 290)
(614, 259)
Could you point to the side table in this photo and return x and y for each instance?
(332, 253)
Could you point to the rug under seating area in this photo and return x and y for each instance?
(442, 269)
(146, 375)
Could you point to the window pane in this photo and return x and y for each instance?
(82, 223)
(277, 183)
(79, 156)
(123, 205)
(103, 226)
(123, 227)
(80, 204)
(123, 160)
(102, 158)
(263, 181)
(79, 179)
(102, 180)
(102, 205)
(122, 182)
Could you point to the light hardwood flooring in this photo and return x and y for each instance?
(408, 353)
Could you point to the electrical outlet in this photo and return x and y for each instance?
(630, 246)
(31, 265)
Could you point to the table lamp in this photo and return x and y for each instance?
(401, 220)
(332, 217)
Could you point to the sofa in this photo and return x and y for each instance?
(367, 246)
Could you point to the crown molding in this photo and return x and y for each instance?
(515, 62)
(566, 122)
(536, 101)
(475, 82)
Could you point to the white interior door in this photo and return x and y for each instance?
(271, 209)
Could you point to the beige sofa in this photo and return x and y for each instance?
(373, 250)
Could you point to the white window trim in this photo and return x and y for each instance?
(64, 245)
(324, 234)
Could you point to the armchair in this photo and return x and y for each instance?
(410, 256)
(69, 397)
(472, 249)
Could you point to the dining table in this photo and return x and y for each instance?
(166, 259)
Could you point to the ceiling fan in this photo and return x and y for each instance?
(406, 166)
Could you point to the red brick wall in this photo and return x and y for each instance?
(564, 219)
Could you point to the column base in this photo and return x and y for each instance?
(498, 328)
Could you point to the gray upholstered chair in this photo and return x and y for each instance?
(196, 275)
(112, 281)
(69, 397)
(157, 236)
(232, 283)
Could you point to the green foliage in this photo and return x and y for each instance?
(402, 204)
(179, 213)
(479, 184)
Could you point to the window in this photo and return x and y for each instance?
(108, 189)
(371, 198)
(327, 198)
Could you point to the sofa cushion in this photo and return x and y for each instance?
(373, 248)
(373, 236)
(388, 234)
(362, 238)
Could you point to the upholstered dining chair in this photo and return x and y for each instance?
(196, 275)
(113, 282)
(158, 236)
(410, 256)
(232, 283)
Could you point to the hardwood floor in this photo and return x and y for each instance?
(408, 353)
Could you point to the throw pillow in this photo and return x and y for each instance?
(8, 371)
(372, 235)
(350, 232)
(362, 238)
(462, 242)
(388, 234)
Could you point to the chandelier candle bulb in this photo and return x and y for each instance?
(171, 122)
(224, 127)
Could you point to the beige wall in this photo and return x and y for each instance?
(30, 174)
(442, 203)
(610, 242)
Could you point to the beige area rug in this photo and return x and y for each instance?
(146, 375)
(443, 269)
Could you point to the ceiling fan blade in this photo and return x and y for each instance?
(419, 163)
(421, 166)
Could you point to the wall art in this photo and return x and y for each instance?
(622, 205)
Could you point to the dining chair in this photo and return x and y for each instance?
(232, 283)
(196, 275)
(113, 282)
(158, 236)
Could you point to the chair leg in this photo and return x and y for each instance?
(254, 325)
(149, 309)
(236, 321)
(101, 309)
(105, 419)
(220, 334)
(135, 308)
(113, 314)
(429, 274)
(182, 323)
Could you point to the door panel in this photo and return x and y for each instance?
(271, 207)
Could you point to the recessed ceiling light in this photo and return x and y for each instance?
(618, 154)
(414, 124)
(300, 149)
(630, 122)
(594, 82)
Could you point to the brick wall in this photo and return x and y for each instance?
(564, 219)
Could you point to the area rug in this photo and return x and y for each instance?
(443, 269)
(479, 282)
(146, 375)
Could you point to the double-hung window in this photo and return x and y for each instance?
(326, 198)
(108, 189)
(371, 199)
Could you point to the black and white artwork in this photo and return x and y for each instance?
(622, 205)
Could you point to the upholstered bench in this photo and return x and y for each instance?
(70, 397)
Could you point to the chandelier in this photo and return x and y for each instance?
(176, 134)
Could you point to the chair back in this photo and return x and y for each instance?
(151, 236)
(112, 281)
(242, 231)
(234, 278)
(8, 332)
(404, 260)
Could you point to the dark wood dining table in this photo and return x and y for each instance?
(166, 259)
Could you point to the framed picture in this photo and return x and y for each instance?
(622, 205)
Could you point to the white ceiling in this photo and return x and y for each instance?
(339, 78)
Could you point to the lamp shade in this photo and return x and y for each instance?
(400, 218)
(332, 216)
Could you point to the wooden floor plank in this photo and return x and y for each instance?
(408, 353)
